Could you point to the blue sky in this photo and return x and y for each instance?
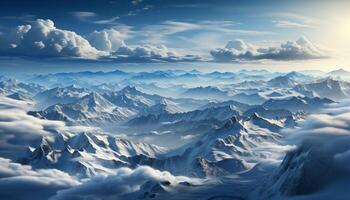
(152, 33)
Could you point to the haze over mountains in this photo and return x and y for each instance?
(176, 134)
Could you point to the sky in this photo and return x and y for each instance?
(140, 35)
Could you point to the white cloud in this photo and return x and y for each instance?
(151, 53)
(18, 130)
(107, 39)
(41, 38)
(239, 50)
(291, 24)
(83, 15)
(293, 20)
(107, 21)
(125, 181)
(21, 181)
(17, 181)
(91, 17)
(321, 158)
(157, 33)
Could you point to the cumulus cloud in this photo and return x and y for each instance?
(125, 182)
(239, 50)
(107, 39)
(21, 181)
(42, 38)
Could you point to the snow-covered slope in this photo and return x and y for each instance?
(164, 107)
(307, 170)
(19, 96)
(326, 88)
(105, 87)
(299, 76)
(11, 86)
(234, 104)
(250, 84)
(251, 99)
(230, 149)
(82, 78)
(132, 98)
(91, 109)
(281, 117)
(339, 73)
(87, 154)
(220, 113)
(282, 82)
(60, 95)
(208, 92)
(297, 104)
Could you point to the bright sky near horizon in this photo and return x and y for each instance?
(155, 34)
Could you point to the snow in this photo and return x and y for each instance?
(247, 135)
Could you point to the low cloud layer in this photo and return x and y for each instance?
(41, 39)
(239, 50)
(125, 184)
(18, 130)
(22, 182)
(319, 167)
(334, 121)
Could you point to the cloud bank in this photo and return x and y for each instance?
(125, 184)
(239, 50)
(18, 130)
(319, 167)
(21, 181)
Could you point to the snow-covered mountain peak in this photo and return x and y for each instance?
(19, 96)
(286, 81)
(94, 101)
(327, 87)
(86, 154)
(339, 72)
(265, 123)
(130, 89)
(164, 106)
(11, 86)
(10, 82)
(233, 124)
(255, 116)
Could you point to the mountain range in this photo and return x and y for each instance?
(204, 132)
